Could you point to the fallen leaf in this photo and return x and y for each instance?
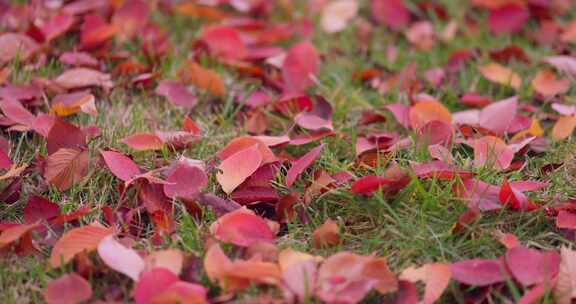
(427, 111)
(435, 276)
(77, 240)
(16, 45)
(392, 13)
(326, 235)
(564, 127)
(176, 93)
(76, 78)
(478, 272)
(336, 15)
(238, 167)
(302, 164)
(143, 142)
(241, 227)
(546, 84)
(68, 289)
(66, 167)
(501, 75)
(121, 165)
(120, 258)
(153, 283)
(204, 79)
(300, 65)
(565, 288)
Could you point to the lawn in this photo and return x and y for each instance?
(383, 151)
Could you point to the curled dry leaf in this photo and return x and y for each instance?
(238, 274)
(68, 289)
(326, 235)
(77, 240)
(501, 75)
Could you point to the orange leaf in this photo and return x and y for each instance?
(326, 235)
(238, 167)
(14, 233)
(65, 105)
(77, 240)
(435, 276)
(143, 141)
(546, 84)
(564, 127)
(66, 167)
(427, 111)
(501, 75)
(205, 79)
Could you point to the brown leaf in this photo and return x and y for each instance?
(66, 167)
(326, 235)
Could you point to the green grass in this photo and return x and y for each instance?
(412, 228)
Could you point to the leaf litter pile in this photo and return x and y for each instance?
(260, 151)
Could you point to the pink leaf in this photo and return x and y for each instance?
(121, 165)
(478, 272)
(241, 227)
(301, 164)
(153, 283)
(68, 289)
(497, 116)
(392, 13)
(185, 181)
(529, 266)
(120, 258)
(238, 167)
(300, 65)
(176, 93)
(224, 42)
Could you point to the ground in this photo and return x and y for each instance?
(413, 227)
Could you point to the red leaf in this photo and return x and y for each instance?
(14, 233)
(392, 13)
(514, 199)
(241, 143)
(56, 26)
(121, 165)
(39, 208)
(77, 78)
(318, 118)
(185, 181)
(14, 110)
(176, 93)
(241, 227)
(369, 184)
(300, 65)
(508, 19)
(301, 164)
(224, 42)
(131, 17)
(68, 289)
(152, 283)
(478, 272)
(64, 135)
(427, 111)
(530, 266)
(566, 220)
